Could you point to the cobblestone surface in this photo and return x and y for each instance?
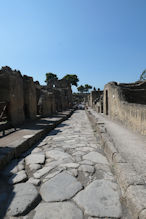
(69, 174)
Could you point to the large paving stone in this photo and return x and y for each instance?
(34, 166)
(70, 165)
(36, 150)
(95, 157)
(59, 188)
(85, 149)
(49, 160)
(23, 196)
(69, 146)
(64, 210)
(79, 153)
(94, 145)
(33, 181)
(35, 158)
(86, 168)
(87, 162)
(103, 172)
(43, 171)
(78, 158)
(73, 172)
(21, 166)
(136, 200)
(18, 177)
(57, 155)
(47, 168)
(51, 175)
(55, 147)
(142, 214)
(100, 199)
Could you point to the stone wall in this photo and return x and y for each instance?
(66, 93)
(118, 106)
(58, 100)
(26, 99)
(63, 94)
(11, 91)
(46, 103)
(95, 100)
(98, 106)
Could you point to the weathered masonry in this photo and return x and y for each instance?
(11, 92)
(23, 99)
(122, 102)
(95, 100)
(127, 103)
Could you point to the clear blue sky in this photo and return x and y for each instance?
(99, 40)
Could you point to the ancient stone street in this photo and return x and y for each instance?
(65, 176)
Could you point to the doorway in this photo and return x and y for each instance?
(106, 101)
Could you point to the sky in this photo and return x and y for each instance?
(98, 40)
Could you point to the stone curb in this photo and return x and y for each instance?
(20, 146)
(133, 186)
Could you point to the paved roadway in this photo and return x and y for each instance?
(65, 176)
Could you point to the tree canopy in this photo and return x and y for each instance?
(72, 79)
(50, 77)
(143, 75)
(85, 88)
(81, 89)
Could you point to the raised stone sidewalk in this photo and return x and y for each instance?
(126, 151)
(12, 145)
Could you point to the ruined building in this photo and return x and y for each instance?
(11, 93)
(127, 103)
(24, 99)
(63, 93)
(45, 101)
(95, 100)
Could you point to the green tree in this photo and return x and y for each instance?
(81, 89)
(87, 87)
(50, 78)
(72, 79)
(143, 75)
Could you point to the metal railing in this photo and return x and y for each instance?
(3, 111)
